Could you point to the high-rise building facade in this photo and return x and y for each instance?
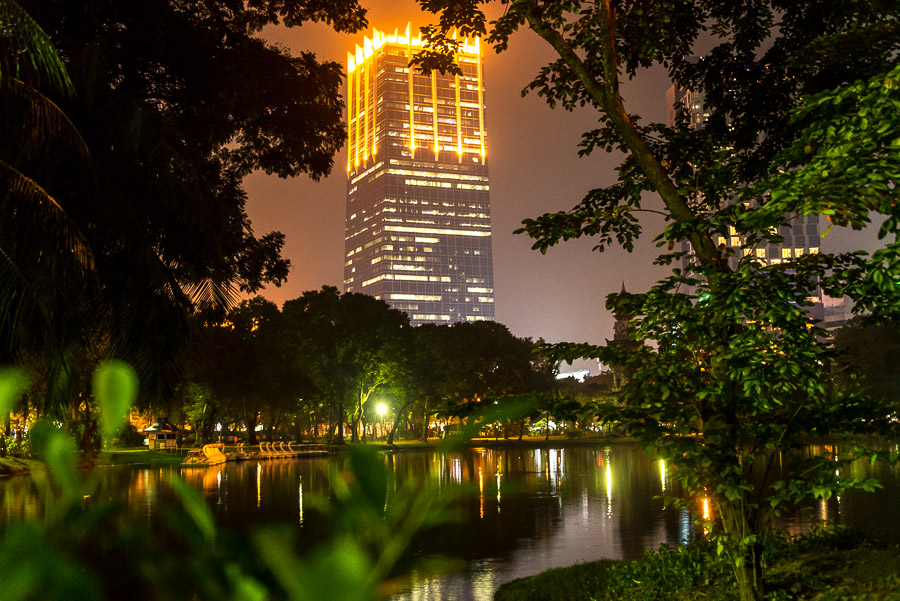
(418, 226)
(801, 237)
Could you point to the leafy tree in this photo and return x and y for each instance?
(347, 344)
(735, 376)
(866, 361)
(200, 409)
(244, 365)
(176, 102)
(464, 367)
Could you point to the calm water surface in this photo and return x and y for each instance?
(526, 510)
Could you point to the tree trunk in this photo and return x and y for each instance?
(394, 423)
(314, 426)
(357, 417)
(330, 434)
(251, 419)
(744, 549)
(90, 436)
(339, 418)
(425, 422)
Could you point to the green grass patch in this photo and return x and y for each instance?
(139, 456)
(575, 583)
(824, 565)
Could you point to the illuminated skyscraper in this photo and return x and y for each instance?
(418, 229)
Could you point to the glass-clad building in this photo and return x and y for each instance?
(418, 226)
(801, 237)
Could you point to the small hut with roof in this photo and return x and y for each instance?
(162, 436)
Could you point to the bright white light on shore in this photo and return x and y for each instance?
(381, 408)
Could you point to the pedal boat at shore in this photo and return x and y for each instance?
(210, 454)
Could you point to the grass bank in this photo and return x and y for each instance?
(138, 456)
(10, 466)
(834, 565)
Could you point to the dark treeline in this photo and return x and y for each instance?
(321, 368)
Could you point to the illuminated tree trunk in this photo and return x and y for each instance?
(744, 548)
(339, 422)
(425, 422)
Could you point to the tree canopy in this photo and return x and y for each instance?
(801, 99)
(172, 103)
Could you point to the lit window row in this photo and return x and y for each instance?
(435, 174)
(416, 297)
(427, 184)
(368, 171)
(447, 232)
(405, 278)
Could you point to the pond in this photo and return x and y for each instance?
(526, 510)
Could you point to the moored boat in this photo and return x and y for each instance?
(210, 454)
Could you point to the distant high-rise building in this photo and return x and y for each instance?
(418, 228)
(801, 237)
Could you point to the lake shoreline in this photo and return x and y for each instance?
(142, 457)
(826, 563)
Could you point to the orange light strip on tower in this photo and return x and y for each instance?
(367, 53)
(351, 66)
(366, 71)
(458, 118)
(412, 114)
(374, 110)
(434, 113)
(359, 68)
(480, 100)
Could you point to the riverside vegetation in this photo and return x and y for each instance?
(66, 553)
(826, 564)
(85, 547)
(728, 368)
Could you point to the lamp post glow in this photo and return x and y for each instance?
(382, 409)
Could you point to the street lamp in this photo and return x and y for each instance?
(382, 409)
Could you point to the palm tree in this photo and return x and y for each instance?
(46, 263)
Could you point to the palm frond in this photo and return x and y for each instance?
(40, 126)
(211, 294)
(33, 223)
(23, 44)
(24, 313)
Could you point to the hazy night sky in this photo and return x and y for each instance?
(534, 167)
